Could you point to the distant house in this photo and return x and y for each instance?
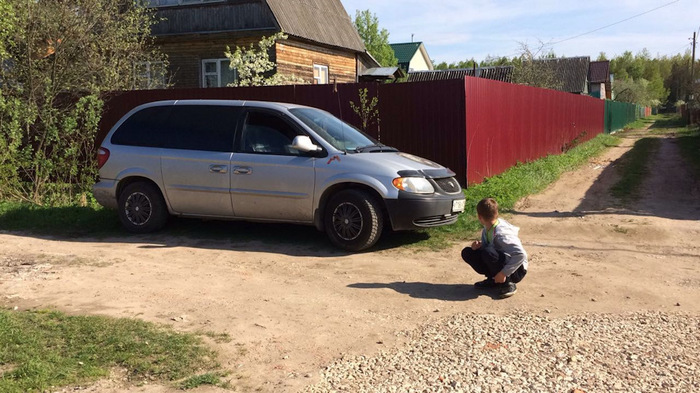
(570, 72)
(499, 73)
(599, 80)
(412, 56)
(323, 44)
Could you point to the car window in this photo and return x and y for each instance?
(341, 135)
(265, 133)
(188, 127)
(147, 128)
(202, 127)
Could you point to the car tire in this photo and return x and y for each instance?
(142, 208)
(353, 220)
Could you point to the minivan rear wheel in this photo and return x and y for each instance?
(142, 208)
(353, 220)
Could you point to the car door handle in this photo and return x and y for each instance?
(218, 168)
(242, 170)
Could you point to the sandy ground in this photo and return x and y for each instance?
(292, 310)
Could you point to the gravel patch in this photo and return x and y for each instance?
(636, 352)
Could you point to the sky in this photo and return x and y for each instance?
(456, 30)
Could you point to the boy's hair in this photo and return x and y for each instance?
(487, 208)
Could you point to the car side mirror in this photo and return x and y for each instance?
(303, 144)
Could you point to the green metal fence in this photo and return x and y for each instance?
(619, 114)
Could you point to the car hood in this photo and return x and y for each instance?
(404, 164)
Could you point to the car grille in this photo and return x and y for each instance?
(434, 221)
(448, 184)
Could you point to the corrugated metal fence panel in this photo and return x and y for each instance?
(508, 123)
(426, 119)
(619, 114)
(334, 99)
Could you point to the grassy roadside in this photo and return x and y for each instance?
(40, 350)
(64, 220)
(634, 167)
(518, 182)
(689, 142)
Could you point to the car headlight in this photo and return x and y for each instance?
(418, 185)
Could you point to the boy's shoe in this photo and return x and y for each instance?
(488, 283)
(507, 289)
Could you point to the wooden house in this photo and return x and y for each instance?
(323, 44)
(412, 56)
(599, 80)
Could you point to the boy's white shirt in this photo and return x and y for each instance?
(506, 240)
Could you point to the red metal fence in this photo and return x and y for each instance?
(476, 127)
(332, 98)
(508, 123)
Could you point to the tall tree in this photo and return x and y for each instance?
(57, 57)
(254, 67)
(376, 41)
(529, 71)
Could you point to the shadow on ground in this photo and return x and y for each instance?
(672, 200)
(423, 290)
(87, 225)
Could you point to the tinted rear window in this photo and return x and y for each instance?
(193, 127)
(147, 127)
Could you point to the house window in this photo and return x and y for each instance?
(149, 75)
(217, 73)
(320, 74)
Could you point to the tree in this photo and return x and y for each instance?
(529, 71)
(7, 28)
(471, 63)
(366, 109)
(254, 67)
(376, 41)
(57, 58)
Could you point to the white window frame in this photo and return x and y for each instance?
(147, 75)
(217, 73)
(318, 80)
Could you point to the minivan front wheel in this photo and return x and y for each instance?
(353, 220)
(142, 208)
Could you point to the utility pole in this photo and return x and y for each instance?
(692, 62)
(691, 96)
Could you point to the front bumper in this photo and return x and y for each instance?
(414, 211)
(105, 192)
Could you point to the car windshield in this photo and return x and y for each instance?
(341, 135)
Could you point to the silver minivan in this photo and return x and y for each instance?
(262, 161)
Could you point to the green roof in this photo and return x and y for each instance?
(405, 52)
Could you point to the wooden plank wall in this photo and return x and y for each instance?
(298, 58)
(293, 58)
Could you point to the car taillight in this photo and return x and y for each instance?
(102, 157)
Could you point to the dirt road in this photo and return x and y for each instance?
(291, 310)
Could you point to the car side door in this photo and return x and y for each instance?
(196, 162)
(269, 179)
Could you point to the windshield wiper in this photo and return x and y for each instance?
(375, 148)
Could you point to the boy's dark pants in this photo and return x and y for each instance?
(488, 261)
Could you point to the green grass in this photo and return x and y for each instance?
(640, 123)
(518, 182)
(689, 142)
(633, 169)
(65, 220)
(45, 349)
(202, 379)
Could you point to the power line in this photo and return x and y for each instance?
(616, 23)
